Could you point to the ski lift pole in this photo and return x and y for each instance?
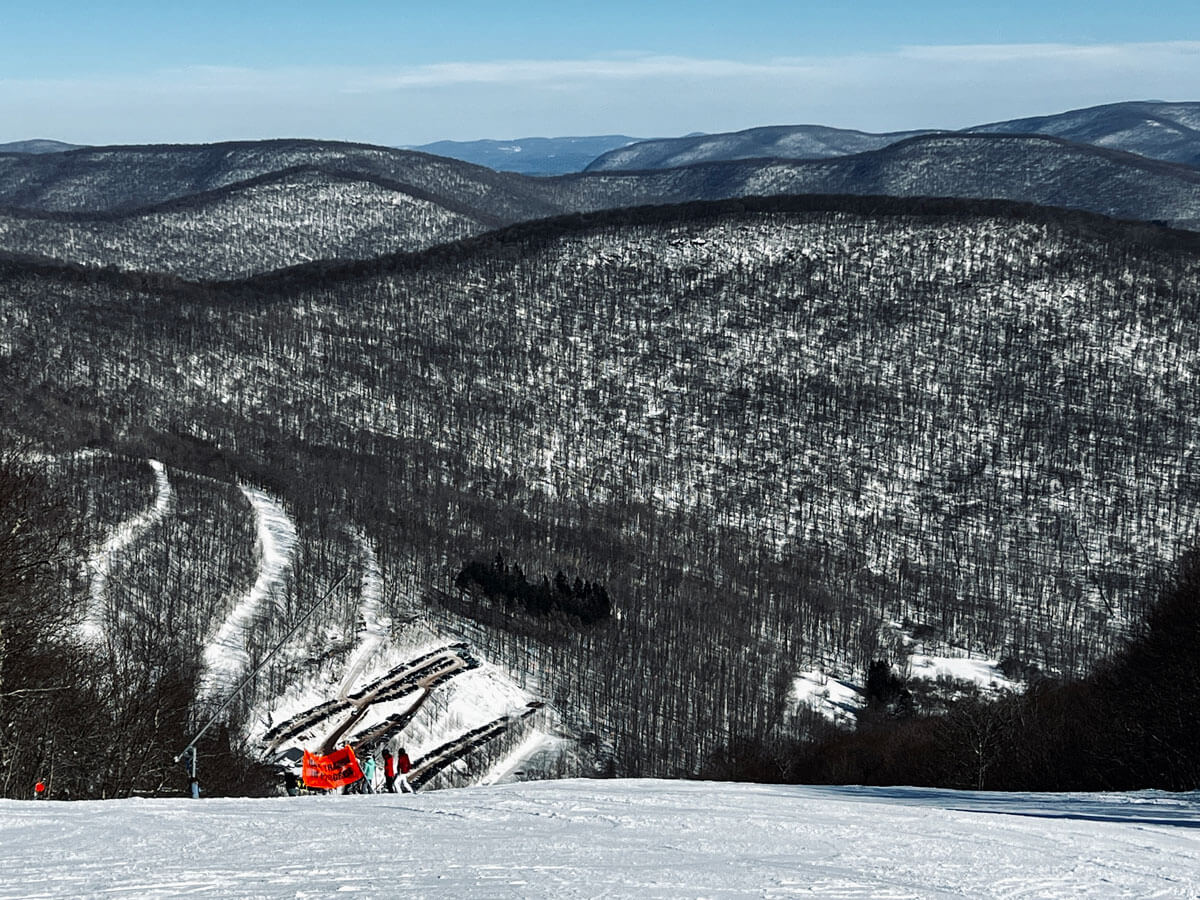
(189, 752)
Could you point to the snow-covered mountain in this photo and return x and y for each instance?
(770, 142)
(103, 179)
(281, 219)
(1043, 170)
(1166, 131)
(1156, 130)
(621, 839)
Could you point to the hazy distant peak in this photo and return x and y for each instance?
(37, 145)
(531, 155)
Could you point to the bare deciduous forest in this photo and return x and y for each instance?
(781, 434)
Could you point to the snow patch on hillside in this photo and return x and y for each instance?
(982, 672)
(834, 698)
(508, 768)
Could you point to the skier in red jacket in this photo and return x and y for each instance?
(394, 766)
(405, 765)
(389, 771)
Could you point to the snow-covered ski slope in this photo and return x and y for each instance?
(226, 656)
(572, 839)
(100, 563)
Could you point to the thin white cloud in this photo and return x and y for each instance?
(1050, 53)
(550, 71)
(646, 95)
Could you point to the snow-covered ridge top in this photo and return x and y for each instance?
(614, 839)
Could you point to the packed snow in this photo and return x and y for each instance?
(226, 656)
(375, 627)
(100, 562)
(609, 839)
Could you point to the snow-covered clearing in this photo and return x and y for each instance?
(983, 672)
(834, 698)
(225, 657)
(100, 563)
(569, 839)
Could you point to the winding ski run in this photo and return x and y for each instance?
(423, 673)
(99, 564)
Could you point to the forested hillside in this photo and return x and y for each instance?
(280, 219)
(779, 433)
(128, 177)
(1043, 170)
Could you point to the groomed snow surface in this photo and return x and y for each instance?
(575, 839)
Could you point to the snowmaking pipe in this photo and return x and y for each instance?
(199, 734)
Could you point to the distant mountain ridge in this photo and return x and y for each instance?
(1166, 131)
(775, 141)
(231, 210)
(98, 179)
(530, 155)
(1158, 130)
(37, 145)
(1041, 170)
(275, 220)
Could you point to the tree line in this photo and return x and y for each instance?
(581, 600)
(1128, 725)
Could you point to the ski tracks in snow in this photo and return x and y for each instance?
(375, 627)
(226, 656)
(100, 563)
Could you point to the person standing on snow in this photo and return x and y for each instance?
(389, 771)
(404, 764)
(368, 770)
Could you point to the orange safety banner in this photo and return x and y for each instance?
(327, 772)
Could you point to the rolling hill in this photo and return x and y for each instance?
(280, 219)
(113, 179)
(1042, 170)
(37, 145)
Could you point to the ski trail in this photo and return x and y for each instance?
(100, 563)
(226, 656)
(535, 742)
(375, 628)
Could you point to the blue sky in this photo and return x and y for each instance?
(406, 73)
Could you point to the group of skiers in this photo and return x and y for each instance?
(395, 771)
